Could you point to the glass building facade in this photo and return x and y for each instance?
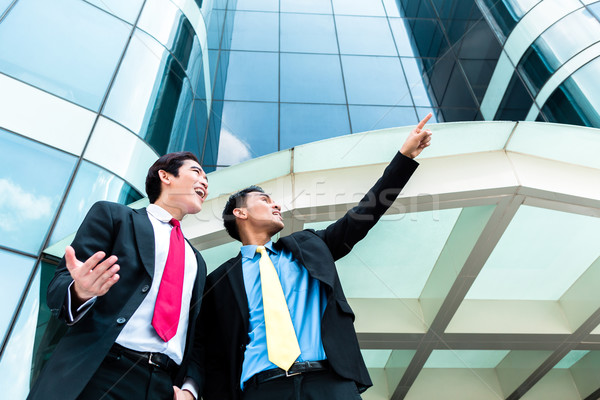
(92, 92)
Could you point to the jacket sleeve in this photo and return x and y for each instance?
(96, 233)
(342, 235)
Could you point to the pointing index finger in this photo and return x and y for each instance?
(424, 121)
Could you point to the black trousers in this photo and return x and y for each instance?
(123, 378)
(322, 385)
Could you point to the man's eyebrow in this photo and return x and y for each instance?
(197, 168)
(263, 195)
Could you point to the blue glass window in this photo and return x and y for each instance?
(577, 100)
(311, 78)
(415, 73)
(252, 76)
(359, 7)
(66, 47)
(151, 94)
(4, 5)
(391, 8)
(375, 80)
(29, 196)
(255, 31)
(308, 33)
(306, 6)
(215, 28)
(403, 37)
(305, 123)
(15, 364)
(127, 10)
(595, 8)
(91, 184)
(365, 36)
(248, 130)
(194, 140)
(257, 5)
(14, 271)
(369, 118)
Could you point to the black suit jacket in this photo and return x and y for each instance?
(128, 234)
(224, 321)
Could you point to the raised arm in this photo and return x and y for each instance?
(343, 234)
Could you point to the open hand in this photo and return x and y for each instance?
(93, 277)
(418, 139)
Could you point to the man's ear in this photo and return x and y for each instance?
(164, 176)
(240, 213)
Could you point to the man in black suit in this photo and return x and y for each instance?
(117, 347)
(290, 286)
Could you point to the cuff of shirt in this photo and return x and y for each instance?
(190, 385)
(81, 310)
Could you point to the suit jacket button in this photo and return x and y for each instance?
(121, 320)
(145, 288)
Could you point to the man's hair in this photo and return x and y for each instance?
(236, 200)
(169, 163)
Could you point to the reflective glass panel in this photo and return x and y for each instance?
(369, 118)
(391, 8)
(365, 36)
(306, 6)
(582, 88)
(255, 31)
(403, 37)
(66, 47)
(313, 78)
(14, 272)
(127, 10)
(375, 80)
(194, 140)
(252, 76)
(359, 7)
(215, 28)
(167, 24)
(15, 364)
(521, 267)
(595, 8)
(416, 76)
(571, 358)
(308, 33)
(248, 130)
(91, 184)
(304, 123)
(465, 358)
(257, 5)
(151, 95)
(4, 5)
(29, 195)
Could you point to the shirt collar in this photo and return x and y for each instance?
(159, 213)
(249, 251)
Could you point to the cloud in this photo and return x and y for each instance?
(19, 207)
(232, 150)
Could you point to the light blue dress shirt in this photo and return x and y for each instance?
(306, 301)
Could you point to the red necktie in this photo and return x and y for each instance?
(168, 301)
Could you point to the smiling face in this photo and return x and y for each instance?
(185, 193)
(261, 213)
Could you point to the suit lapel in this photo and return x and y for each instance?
(144, 237)
(233, 269)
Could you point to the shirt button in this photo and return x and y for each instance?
(145, 288)
(121, 320)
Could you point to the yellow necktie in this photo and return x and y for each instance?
(282, 343)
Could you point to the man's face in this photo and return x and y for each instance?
(188, 190)
(263, 213)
